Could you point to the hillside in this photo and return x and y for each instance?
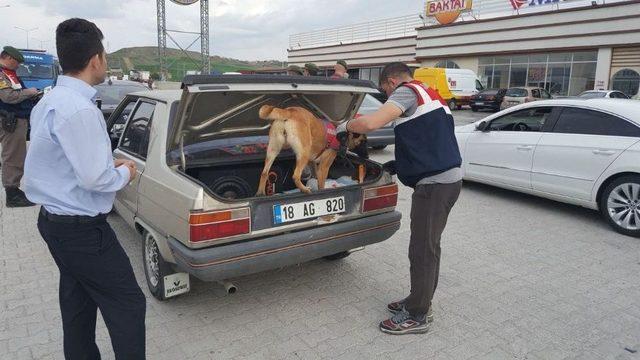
(145, 58)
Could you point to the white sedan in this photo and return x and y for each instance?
(582, 152)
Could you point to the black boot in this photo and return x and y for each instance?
(17, 198)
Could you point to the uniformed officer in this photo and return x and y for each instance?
(340, 70)
(311, 69)
(294, 70)
(16, 102)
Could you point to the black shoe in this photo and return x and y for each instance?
(17, 198)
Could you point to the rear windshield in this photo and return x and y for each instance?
(517, 92)
(592, 95)
(489, 92)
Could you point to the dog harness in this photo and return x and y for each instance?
(331, 135)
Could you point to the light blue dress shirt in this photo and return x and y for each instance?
(69, 167)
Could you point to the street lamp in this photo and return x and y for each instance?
(27, 31)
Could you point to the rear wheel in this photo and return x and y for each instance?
(338, 256)
(452, 104)
(620, 205)
(474, 109)
(155, 268)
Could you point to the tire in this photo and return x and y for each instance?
(338, 256)
(452, 104)
(474, 109)
(379, 147)
(155, 281)
(620, 205)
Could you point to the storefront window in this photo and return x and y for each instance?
(372, 74)
(583, 77)
(500, 77)
(560, 57)
(447, 64)
(518, 75)
(585, 56)
(561, 74)
(537, 75)
(558, 79)
(485, 60)
(627, 81)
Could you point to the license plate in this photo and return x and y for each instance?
(308, 209)
(513, 103)
(176, 284)
(479, 103)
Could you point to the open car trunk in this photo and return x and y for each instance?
(218, 139)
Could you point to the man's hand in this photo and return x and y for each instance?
(129, 164)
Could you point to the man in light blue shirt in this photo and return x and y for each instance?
(70, 171)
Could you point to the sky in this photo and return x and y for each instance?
(241, 29)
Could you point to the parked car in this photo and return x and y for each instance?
(200, 152)
(582, 152)
(593, 94)
(383, 137)
(520, 95)
(455, 86)
(487, 99)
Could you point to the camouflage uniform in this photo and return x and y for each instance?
(13, 141)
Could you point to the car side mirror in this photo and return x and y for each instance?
(482, 126)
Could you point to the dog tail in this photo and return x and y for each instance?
(269, 112)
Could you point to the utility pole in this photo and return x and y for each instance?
(27, 31)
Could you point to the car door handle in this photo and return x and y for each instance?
(604, 152)
(524, 147)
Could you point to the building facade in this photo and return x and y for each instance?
(589, 45)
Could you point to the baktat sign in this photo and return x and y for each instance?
(447, 11)
(184, 2)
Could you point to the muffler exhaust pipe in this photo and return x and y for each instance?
(228, 286)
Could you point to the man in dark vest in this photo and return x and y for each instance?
(427, 160)
(16, 103)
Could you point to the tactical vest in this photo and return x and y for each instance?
(425, 143)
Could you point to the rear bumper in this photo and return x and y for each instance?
(243, 258)
(485, 104)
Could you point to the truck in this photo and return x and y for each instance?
(455, 86)
(40, 70)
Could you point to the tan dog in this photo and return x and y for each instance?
(306, 135)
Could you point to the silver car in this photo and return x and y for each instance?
(200, 152)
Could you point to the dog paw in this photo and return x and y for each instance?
(306, 190)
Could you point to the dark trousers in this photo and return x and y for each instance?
(430, 207)
(95, 273)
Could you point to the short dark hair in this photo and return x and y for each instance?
(77, 41)
(394, 69)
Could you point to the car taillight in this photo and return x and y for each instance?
(382, 197)
(219, 224)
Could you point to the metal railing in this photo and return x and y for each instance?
(406, 25)
(371, 30)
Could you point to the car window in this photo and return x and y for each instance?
(592, 94)
(113, 94)
(535, 93)
(591, 122)
(545, 94)
(517, 92)
(532, 119)
(135, 139)
(369, 105)
(618, 95)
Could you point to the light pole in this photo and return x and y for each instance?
(27, 31)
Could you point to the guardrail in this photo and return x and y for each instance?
(371, 30)
(406, 25)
